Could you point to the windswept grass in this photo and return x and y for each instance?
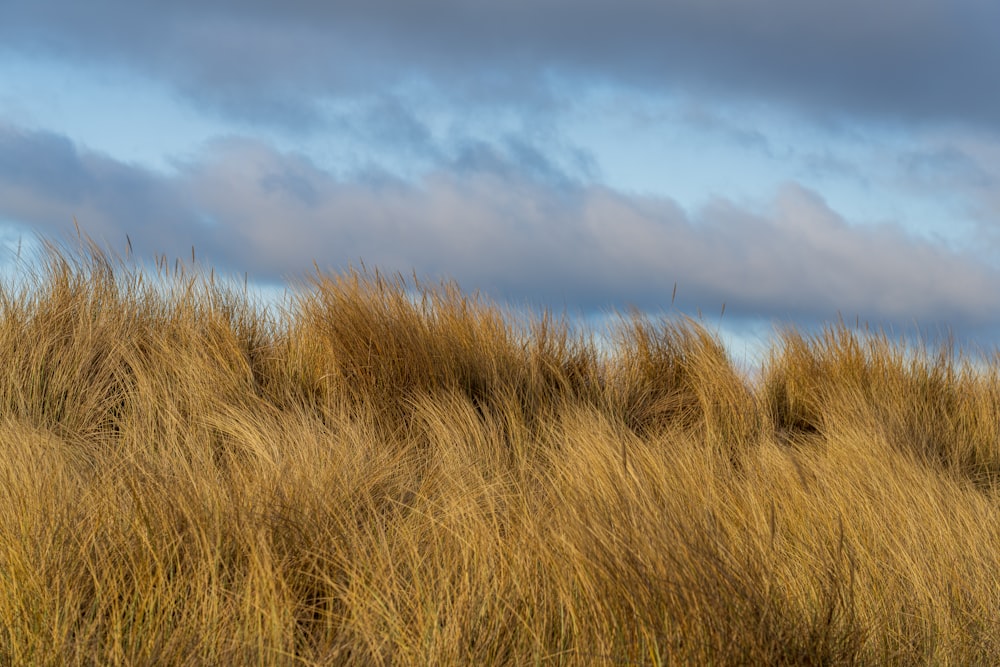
(390, 472)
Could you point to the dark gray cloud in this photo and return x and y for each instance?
(249, 207)
(274, 61)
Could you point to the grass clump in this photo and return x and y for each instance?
(387, 472)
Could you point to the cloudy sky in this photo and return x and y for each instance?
(797, 161)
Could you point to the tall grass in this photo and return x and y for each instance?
(390, 472)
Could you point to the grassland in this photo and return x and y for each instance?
(394, 473)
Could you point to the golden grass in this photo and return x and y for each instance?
(394, 473)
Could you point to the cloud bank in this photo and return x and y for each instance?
(248, 206)
(912, 60)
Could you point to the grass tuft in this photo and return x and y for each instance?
(392, 472)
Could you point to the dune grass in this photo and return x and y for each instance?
(389, 472)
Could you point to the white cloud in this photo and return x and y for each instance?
(592, 246)
(515, 233)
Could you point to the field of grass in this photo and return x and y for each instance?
(394, 473)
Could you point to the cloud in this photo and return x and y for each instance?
(917, 60)
(249, 207)
(46, 180)
(944, 167)
(706, 120)
(386, 121)
(827, 164)
(962, 170)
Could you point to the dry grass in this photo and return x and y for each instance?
(395, 473)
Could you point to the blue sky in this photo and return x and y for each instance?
(797, 161)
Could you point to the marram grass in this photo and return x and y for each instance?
(373, 477)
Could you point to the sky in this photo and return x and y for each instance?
(800, 161)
